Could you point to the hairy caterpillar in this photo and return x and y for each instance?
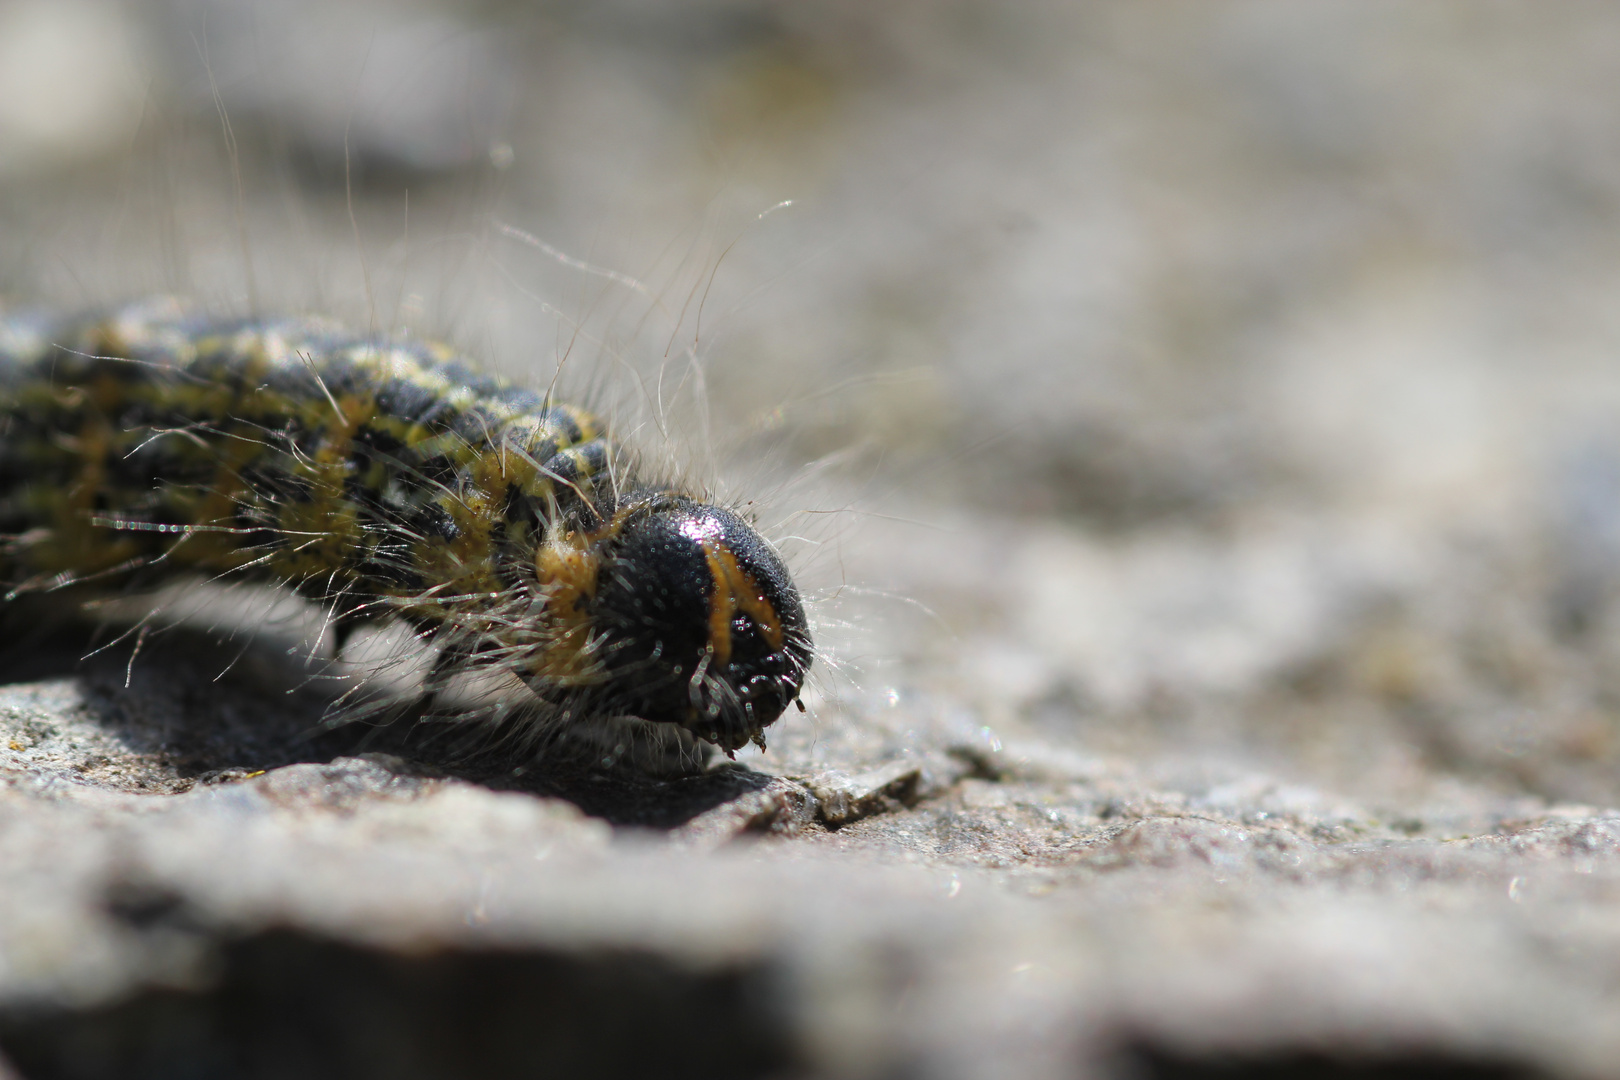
(390, 480)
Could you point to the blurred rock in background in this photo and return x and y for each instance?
(1186, 393)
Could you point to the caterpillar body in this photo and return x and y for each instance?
(391, 480)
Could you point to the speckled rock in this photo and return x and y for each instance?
(1193, 426)
(967, 908)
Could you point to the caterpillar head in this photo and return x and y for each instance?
(695, 622)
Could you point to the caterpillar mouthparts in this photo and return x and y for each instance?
(389, 480)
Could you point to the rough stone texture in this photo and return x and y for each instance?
(967, 907)
(1193, 423)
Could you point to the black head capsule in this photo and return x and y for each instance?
(699, 623)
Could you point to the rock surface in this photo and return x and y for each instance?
(1193, 424)
(889, 894)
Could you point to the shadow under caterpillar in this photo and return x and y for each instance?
(386, 480)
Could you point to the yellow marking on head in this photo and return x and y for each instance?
(736, 590)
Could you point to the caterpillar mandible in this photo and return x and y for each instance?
(390, 480)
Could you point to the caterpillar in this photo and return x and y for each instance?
(391, 480)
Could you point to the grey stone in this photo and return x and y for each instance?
(1022, 914)
(1217, 676)
(842, 799)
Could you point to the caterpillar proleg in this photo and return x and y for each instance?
(391, 480)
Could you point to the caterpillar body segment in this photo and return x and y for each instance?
(390, 480)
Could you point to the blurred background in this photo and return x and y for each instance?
(1219, 384)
